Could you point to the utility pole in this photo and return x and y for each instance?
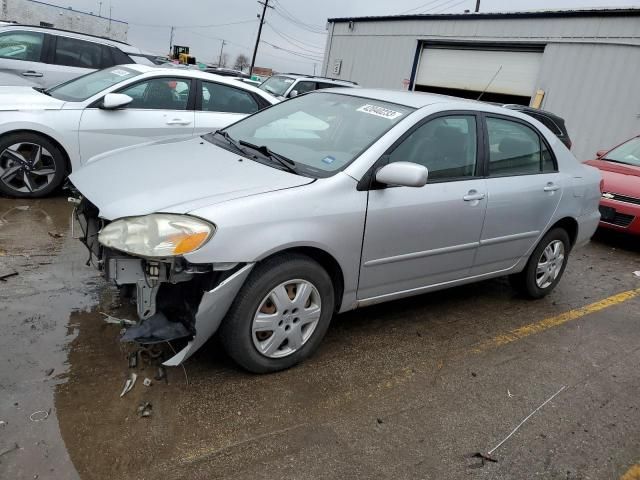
(477, 6)
(221, 48)
(171, 42)
(314, 69)
(255, 50)
(99, 9)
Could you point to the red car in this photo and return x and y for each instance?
(620, 202)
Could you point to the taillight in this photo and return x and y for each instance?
(601, 185)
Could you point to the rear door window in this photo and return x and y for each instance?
(72, 52)
(217, 97)
(21, 46)
(516, 149)
(304, 87)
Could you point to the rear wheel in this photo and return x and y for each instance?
(545, 266)
(30, 165)
(280, 315)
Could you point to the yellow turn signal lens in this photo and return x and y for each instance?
(189, 243)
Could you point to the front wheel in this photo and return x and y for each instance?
(30, 165)
(280, 315)
(545, 266)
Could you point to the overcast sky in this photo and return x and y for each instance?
(290, 46)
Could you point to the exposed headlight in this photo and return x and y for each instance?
(157, 235)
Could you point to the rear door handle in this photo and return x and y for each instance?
(31, 73)
(551, 187)
(178, 121)
(472, 196)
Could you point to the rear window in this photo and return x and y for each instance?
(277, 85)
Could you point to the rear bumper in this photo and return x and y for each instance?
(587, 225)
(627, 218)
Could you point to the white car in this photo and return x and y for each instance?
(47, 134)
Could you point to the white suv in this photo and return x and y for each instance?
(43, 57)
(289, 85)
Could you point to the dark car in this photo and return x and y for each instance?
(550, 120)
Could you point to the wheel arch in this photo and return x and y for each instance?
(326, 260)
(56, 142)
(570, 225)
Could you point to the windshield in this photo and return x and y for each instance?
(277, 85)
(628, 152)
(79, 89)
(321, 132)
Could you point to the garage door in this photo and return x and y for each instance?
(467, 69)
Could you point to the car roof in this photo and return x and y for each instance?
(178, 71)
(125, 47)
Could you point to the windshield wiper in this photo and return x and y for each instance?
(42, 90)
(281, 159)
(224, 134)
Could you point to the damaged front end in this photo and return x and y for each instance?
(176, 300)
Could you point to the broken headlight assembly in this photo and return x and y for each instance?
(158, 235)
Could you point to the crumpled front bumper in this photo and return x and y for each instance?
(211, 308)
(196, 295)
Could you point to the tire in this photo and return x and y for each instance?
(260, 350)
(531, 282)
(24, 173)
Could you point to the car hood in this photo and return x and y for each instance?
(26, 98)
(176, 176)
(619, 178)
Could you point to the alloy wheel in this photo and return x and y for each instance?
(286, 318)
(550, 264)
(26, 167)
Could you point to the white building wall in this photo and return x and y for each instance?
(32, 12)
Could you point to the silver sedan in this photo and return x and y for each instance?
(331, 201)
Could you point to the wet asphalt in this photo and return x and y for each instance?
(410, 389)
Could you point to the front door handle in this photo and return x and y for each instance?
(473, 196)
(551, 187)
(178, 121)
(31, 73)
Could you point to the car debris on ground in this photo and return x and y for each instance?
(128, 385)
(144, 409)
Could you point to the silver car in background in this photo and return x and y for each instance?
(325, 203)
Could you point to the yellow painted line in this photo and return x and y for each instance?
(632, 474)
(551, 322)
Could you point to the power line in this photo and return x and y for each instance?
(293, 52)
(295, 19)
(294, 39)
(303, 26)
(451, 6)
(301, 47)
(419, 7)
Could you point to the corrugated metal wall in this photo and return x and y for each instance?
(589, 69)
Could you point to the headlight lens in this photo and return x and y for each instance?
(157, 235)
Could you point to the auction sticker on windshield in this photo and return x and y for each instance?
(379, 111)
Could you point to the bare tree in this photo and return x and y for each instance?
(242, 61)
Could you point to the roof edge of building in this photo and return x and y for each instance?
(494, 15)
(69, 9)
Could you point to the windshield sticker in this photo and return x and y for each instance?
(289, 80)
(328, 159)
(120, 73)
(380, 111)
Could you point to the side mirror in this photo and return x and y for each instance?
(293, 93)
(404, 174)
(601, 153)
(113, 101)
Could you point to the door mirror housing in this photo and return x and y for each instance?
(293, 93)
(403, 174)
(113, 101)
(601, 153)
